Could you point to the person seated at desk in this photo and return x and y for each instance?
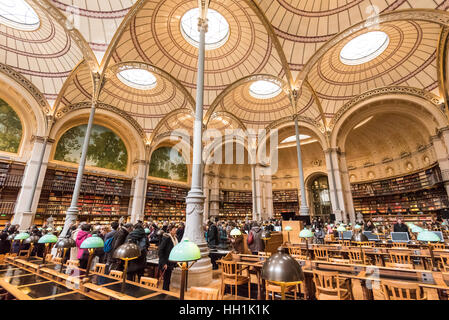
(369, 226)
(399, 226)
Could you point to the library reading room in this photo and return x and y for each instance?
(224, 150)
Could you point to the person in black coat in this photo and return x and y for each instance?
(180, 231)
(169, 240)
(400, 226)
(369, 226)
(139, 237)
(212, 235)
(118, 240)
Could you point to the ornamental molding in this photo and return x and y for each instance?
(87, 105)
(27, 84)
(401, 90)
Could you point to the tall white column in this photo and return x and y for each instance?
(442, 158)
(346, 187)
(32, 181)
(256, 214)
(201, 272)
(303, 209)
(214, 199)
(264, 196)
(139, 192)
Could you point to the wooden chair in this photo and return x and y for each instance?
(48, 257)
(444, 261)
(73, 263)
(397, 290)
(399, 265)
(100, 268)
(329, 286)
(438, 246)
(197, 293)
(356, 256)
(57, 260)
(264, 254)
(231, 275)
(297, 252)
(150, 282)
(116, 274)
(397, 256)
(273, 288)
(321, 254)
(339, 260)
(399, 245)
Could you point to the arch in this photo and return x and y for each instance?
(130, 136)
(421, 105)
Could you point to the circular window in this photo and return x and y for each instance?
(263, 89)
(364, 48)
(18, 14)
(137, 78)
(216, 35)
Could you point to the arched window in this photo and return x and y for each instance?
(168, 163)
(10, 128)
(320, 196)
(106, 149)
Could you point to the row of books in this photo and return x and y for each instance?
(285, 196)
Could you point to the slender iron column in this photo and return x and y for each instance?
(304, 209)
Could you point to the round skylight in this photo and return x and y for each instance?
(263, 89)
(137, 78)
(218, 28)
(364, 48)
(18, 14)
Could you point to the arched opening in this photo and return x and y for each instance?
(319, 197)
(168, 163)
(10, 128)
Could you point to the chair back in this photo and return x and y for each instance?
(356, 256)
(294, 251)
(116, 274)
(396, 290)
(264, 254)
(48, 257)
(399, 244)
(229, 268)
(100, 268)
(321, 254)
(438, 246)
(397, 256)
(73, 263)
(444, 259)
(326, 282)
(150, 282)
(204, 293)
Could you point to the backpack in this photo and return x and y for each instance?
(108, 245)
(250, 238)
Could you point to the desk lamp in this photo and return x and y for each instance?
(126, 252)
(341, 228)
(288, 229)
(20, 237)
(429, 236)
(47, 239)
(91, 244)
(65, 244)
(184, 252)
(235, 233)
(282, 270)
(31, 241)
(306, 234)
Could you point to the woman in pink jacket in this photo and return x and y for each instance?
(82, 235)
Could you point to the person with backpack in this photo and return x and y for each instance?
(138, 236)
(108, 238)
(118, 239)
(254, 240)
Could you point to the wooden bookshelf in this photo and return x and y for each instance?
(418, 192)
(235, 205)
(285, 201)
(11, 175)
(101, 200)
(165, 202)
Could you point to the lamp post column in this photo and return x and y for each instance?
(304, 209)
(201, 273)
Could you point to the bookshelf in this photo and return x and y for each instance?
(285, 201)
(235, 205)
(165, 202)
(421, 191)
(10, 183)
(101, 198)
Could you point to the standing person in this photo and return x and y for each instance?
(138, 236)
(212, 235)
(254, 240)
(180, 231)
(118, 239)
(108, 238)
(83, 254)
(169, 240)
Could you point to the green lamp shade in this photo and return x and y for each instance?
(357, 227)
(305, 233)
(428, 236)
(48, 238)
(147, 231)
(288, 228)
(341, 228)
(235, 232)
(416, 229)
(185, 251)
(22, 236)
(49, 229)
(92, 243)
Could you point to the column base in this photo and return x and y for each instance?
(199, 275)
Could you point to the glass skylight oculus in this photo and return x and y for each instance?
(263, 89)
(137, 78)
(364, 48)
(18, 14)
(218, 28)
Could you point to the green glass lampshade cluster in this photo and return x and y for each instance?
(92, 243)
(185, 251)
(357, 227)
(22, 236)
(48, 238)
(288, 228)
(341, 228)
(428, 236)
(235, 232)
(305, 233)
